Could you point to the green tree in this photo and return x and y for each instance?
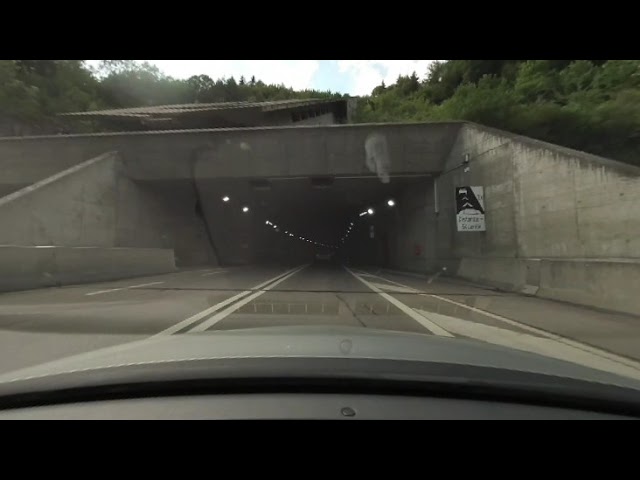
(18, 99)
(591, 105)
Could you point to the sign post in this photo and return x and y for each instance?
(470, 209)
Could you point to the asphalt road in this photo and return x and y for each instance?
(42, 325)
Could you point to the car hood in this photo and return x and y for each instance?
(312, 342)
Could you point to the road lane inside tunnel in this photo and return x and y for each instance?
(321, 294)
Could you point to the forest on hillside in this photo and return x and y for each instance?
(590, 105)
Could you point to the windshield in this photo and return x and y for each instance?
(485, 202)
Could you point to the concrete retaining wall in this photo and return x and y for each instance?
(75, 207)
(94, 204)
(560, 223)
(36, 267)
(605, 284)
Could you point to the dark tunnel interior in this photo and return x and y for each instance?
(292, 220)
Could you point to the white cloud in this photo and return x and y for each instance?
(368, 74)
(358, 77)
(297, 74)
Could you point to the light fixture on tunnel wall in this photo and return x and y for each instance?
(370, 211)
(391, 202)
(245, 209)
(225, 198)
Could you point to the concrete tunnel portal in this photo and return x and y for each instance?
(284, 194)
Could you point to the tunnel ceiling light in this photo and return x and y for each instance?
(267, 222)
(363, 214)
(225, 198)
(245, 209)
(391, 202)
(370, 211)
(274, 225)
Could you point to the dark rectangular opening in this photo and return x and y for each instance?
(322, 181)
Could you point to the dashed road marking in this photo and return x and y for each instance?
(130, 287)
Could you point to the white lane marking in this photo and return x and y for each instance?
(421, 319)
(531, 343)
(587, 348)
(229, 310)
(364, 274)
(194, 318)
(99, 292)
(413, 290)
(523, 326)
(393, 288)
(213, 273)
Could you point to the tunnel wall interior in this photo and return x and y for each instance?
(560, 223)
(413, 230)
(163, 215)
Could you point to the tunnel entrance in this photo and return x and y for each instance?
(294, 220)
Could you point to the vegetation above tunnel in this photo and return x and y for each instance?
(590, 105)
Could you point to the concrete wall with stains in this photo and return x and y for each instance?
(264, 151)
(558, 220)
(93, 204)
(414, 230)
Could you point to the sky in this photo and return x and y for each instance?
(355, 77)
